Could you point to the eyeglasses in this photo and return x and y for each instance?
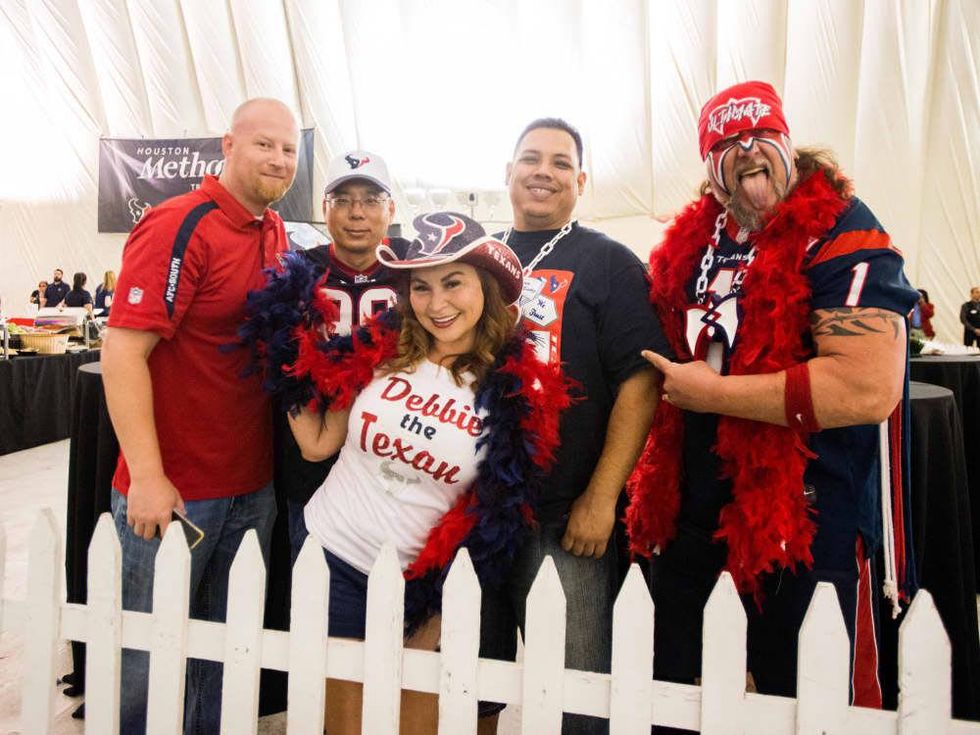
(370, 204)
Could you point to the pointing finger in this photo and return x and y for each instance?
(658, 361)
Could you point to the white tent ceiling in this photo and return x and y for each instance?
(442, 87)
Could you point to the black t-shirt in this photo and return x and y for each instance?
(970, 314)
(55, 293)
(588, 302)
(358, 295)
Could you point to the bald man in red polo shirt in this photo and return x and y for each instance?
(195, 437)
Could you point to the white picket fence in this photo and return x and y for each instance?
(629, 696)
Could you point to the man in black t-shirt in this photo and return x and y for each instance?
(56, 291)
(585, 297)
(358, 209)
(970, 318)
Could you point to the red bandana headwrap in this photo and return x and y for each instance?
(740, 107)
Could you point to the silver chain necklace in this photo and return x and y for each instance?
(545, 249)
(708, 260)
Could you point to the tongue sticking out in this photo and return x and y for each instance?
(756, 188)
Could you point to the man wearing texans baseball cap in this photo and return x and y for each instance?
(358, 210)
(785, 302)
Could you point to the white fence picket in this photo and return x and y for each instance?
(42, 621)
(924, 666)
(544, 653)
(460, 644)
(104, 629)
(243, 639)
(384, 640)
(308, 641)
(168, 635)
(823, 666)
(723, 660)
(632, 658)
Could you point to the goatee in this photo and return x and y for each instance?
(271, 193)
(747, 216)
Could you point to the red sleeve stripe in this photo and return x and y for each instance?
(852, 242)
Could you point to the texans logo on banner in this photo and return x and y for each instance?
(542, 306)
(413, 448)
(136, 174)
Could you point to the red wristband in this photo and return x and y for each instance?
(799, 400)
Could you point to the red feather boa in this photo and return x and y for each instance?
(768, 524)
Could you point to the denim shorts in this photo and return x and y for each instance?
(348, 599)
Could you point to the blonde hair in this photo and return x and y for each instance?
(495, 326)
(109, 281)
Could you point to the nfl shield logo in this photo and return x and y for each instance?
(135, 295)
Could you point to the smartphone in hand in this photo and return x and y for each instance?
(193, 534)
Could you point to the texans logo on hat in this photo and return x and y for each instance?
(353, 165)
(354, 162)
(445, 237)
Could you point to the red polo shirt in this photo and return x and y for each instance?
(186, 270)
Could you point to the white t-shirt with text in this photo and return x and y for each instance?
(410, 452)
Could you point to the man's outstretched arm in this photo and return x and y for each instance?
(856, 376)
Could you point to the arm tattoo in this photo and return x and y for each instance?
(846, 321)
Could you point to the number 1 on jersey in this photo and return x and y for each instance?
(857, 284)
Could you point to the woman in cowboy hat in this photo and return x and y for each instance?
(432, 407)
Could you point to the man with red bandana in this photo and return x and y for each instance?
(785, 302)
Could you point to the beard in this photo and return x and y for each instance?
(740, 204)
(268, 192)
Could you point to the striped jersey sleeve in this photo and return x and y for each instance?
(857, 265)
(162, 266)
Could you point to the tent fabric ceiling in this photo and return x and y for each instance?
(442, 87)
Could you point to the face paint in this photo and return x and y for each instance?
(719, 154)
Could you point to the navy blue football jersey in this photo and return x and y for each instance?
(358, 295)
(854, 265)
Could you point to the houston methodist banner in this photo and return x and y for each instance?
(137, 173)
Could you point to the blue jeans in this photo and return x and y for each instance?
(297, 528)
(589, 585)
(224, 522)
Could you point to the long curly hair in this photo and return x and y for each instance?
(496, 325)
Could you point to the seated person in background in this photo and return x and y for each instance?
(78, 296)
(37, 296)
(466, 471)
(56, 291)
(104, 292)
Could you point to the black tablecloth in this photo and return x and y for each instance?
(36, 398)
(93, 453)
(943, 541)
(92, 461)
(961, 374)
